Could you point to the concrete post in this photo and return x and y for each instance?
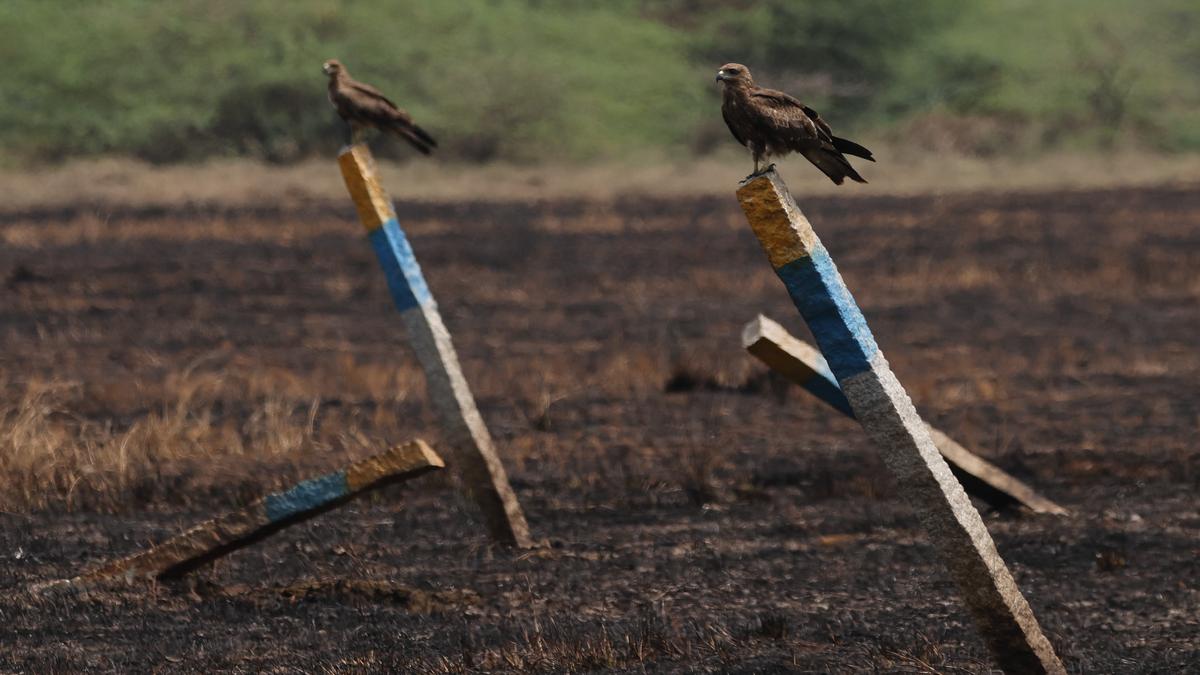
(881, 405)
(225, 534)
(803, 365)
(473, 455)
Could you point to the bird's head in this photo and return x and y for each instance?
(332, 67)
(734, 74)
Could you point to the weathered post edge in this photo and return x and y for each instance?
(475, 460)
(212, 539)
(803, 365)
(1002, 615)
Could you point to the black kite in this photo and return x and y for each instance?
(772, 124)
(363, 106)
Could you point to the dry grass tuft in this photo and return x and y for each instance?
(223, 433)
(51, 458)
(547, 646)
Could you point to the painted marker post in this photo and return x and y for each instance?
(803, 364)
(237, 529)
(881, 405)
(474, 455)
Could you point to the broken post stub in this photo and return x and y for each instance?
(474, 458)
(803, 364)
(265, 516)
(879, 402)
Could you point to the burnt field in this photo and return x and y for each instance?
(162, 365)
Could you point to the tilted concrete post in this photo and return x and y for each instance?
(881, 405)
(803, 365)
(225, 534)
(473, 455)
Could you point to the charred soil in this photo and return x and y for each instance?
(161, 366)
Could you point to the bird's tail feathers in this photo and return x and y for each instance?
(851, 173)
(833, 164)
(852, 148)
(416, 137)
(425, 137)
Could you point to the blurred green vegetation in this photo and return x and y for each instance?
(574, 80)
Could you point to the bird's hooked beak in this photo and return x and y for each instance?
(720, 75)
(327, 69)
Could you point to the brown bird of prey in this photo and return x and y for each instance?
(772, 124)
(363, 106)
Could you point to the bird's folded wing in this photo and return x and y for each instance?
(822, 125)
(785, 115)
(369, 98)
(733, 127)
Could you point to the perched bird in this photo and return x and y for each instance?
(363, 106)
(772, 124)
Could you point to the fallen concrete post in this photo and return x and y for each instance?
(879, 402)
(237, 529)
(803, 364)
(474, 457)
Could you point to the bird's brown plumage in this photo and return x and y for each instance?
(772, 124)
(363, 106)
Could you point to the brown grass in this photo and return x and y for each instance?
(225, 429)
(899, 171)
(659, 641)
(213, 431)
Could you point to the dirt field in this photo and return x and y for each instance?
(159, 366)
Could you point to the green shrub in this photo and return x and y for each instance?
(573, 80)
(184, 80)
(1074, 73)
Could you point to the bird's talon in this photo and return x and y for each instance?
(757, 172)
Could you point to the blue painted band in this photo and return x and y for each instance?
(306, 496)
(824, 388)
(831, 313)
(404, 278)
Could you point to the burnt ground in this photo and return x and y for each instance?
(696, 515)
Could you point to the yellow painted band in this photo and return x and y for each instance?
(358, 170)
(411, 456)
(771, 212)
